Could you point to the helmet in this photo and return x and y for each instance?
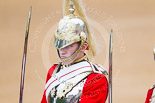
(70, 29)
(73, 28)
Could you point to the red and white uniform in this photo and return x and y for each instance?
(150, 95)
(88, 86)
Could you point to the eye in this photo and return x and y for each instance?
(71, 45)
(67, 46)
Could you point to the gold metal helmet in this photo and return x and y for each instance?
(72, 28)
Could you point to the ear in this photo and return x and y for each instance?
(85, 46)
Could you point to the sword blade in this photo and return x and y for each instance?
(110, 65)
(154, 53)
(24, 57)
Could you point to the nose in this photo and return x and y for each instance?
(62, 51)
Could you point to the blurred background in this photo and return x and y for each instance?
(133, 24)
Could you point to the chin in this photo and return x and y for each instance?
(68, 62)
(71, 61)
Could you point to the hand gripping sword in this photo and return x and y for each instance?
(110, 66)
(24, 58)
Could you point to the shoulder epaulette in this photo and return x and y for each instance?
(98, 69)
(153, 86)
(57, 63)
(56, 68)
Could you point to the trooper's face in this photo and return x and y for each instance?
(68, 51)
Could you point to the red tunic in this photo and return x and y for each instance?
(95, 89)
(149, 95)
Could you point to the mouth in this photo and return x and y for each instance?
(63, 57)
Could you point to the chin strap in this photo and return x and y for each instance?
(68, 59)
(81, 59)
(76, 61)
